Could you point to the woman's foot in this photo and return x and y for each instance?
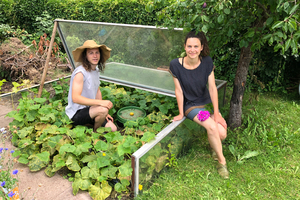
(223, 171)
(214, 155)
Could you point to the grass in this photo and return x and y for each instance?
(271, 127)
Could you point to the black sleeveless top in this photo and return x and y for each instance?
(193, 82)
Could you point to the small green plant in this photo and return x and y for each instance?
(172, 161)
(8, 176)
(241, 158)
(17, 87)
(1, 83)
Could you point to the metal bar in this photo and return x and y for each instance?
(24, 89)
(63, 41)
(115, 24)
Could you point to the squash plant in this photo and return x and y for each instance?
(46, 139)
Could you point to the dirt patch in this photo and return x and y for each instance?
(19, 62)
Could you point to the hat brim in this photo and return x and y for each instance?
(78, 51)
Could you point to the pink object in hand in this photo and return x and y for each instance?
(203, 115)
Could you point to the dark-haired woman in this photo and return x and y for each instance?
(191, 75)
(85, 104)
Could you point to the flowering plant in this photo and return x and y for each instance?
(203, 115)
(8, 176)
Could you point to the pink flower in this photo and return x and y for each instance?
(203, 115)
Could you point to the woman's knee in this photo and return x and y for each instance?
(99, 111)
(212, 128)
(222, 132)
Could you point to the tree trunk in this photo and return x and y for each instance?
(235, 113)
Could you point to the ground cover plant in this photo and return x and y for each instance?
(262, 157)
(96, 161)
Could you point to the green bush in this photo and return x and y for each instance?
(6, 7)
(26, 12)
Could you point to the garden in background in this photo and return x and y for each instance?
(262, 152)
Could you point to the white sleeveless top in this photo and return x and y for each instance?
(91, 83)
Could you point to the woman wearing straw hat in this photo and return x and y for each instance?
(85, 104)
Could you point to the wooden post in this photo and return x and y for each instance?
(47, 59)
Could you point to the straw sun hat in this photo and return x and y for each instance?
(90, 44)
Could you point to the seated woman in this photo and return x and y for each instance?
(85, 104)
(191, 75)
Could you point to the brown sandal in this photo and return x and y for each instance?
(223, 171)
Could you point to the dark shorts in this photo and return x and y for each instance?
(82, 117)
(194, 112)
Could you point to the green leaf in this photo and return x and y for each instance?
(269, 21)
(40, 100)
(227, 11)
(287, 44)
(250, 34)
(48, 171)
(44, 156)
(101, 146)
(35, 163)
(88, 158)
(67, 148)
(279, 34)
(25, 131)
(72, 163)
(125, 169)
(277, 24)
(123, 150)
(229, 34)
(52, 142)
(120, 187)
(205, 18)
(292, 23)
(31, 115)
(277, 47)
(102, 161)
(286, 5)
(249, 154)
(100, 192)
(82, 147)
(295, 7)
(23, 159)
(109, 171)
(220, 18)
(24, 143)
(193, 18)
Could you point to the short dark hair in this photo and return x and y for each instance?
(86, 64)
(201, 36)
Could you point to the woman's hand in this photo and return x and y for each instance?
(219, 119)
(106, 103)
(177, 118)
(108, 117)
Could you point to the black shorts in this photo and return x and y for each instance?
(82, 117)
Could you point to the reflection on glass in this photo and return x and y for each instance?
(141, 46)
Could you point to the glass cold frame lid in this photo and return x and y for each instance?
(138, 52)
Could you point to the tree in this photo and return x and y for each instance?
(251, 23)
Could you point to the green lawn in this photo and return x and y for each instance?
(271, 129)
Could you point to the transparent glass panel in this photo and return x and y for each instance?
(177, 141)
(144, 46)
(140, 55)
